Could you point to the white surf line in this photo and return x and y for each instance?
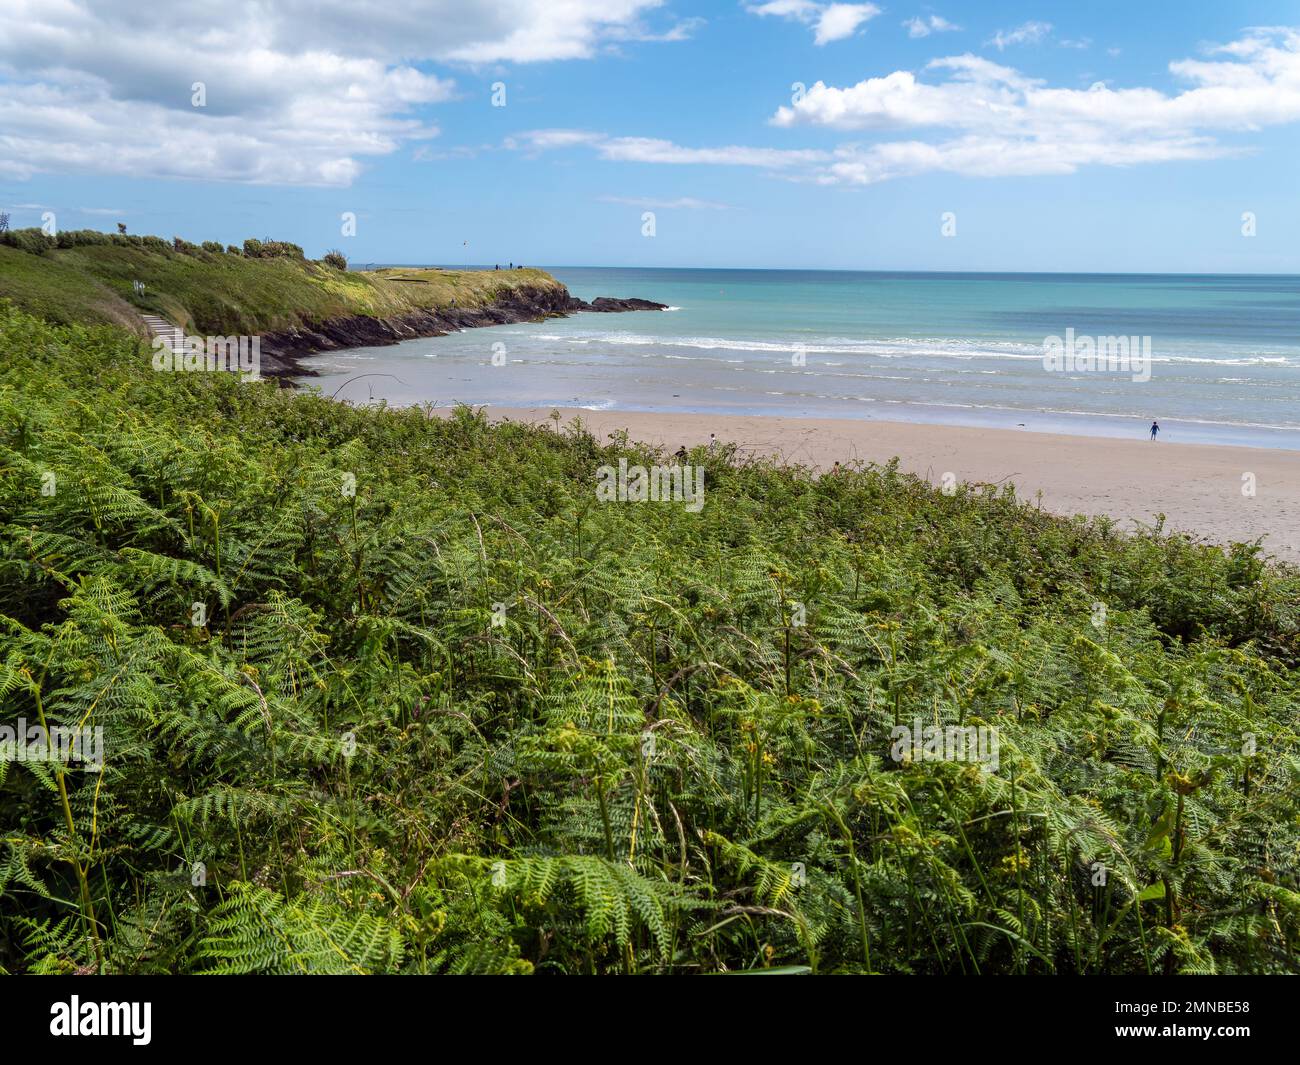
(173, 336)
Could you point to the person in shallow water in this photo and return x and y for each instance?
(1155, 429)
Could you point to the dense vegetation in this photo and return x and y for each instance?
(85, 277)
(464, 718)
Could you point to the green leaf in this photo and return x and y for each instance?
(1155, 891)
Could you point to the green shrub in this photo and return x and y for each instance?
(273, 249)
(31, 240)
(464, 718)
(73, 238)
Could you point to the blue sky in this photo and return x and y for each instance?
(1101, 136)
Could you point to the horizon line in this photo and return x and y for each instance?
(380, 264)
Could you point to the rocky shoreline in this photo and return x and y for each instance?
(282, 352)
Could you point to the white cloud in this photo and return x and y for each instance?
(854, 164)
(297, 91)
(293, 139)
(679, 31)
(978, 93)
(474, 31)
(842, 20)
(830, 22)
(656, 150)
(990, 120)
(652, 150)
(803, 10)
(923, 27)
(425, 154)
(1027, 33)
(1006, 123)
(540, 140)
(975, 156)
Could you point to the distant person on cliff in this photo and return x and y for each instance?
(1155, 429)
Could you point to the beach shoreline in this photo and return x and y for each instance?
(1202, 489)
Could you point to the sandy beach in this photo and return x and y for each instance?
(1198, 487)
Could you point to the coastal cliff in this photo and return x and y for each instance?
(268, 289)
(282, 351)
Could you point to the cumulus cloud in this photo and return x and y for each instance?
(829, 22)
(1002, 122)
(971, 116)
(296, 91)
(923, 27)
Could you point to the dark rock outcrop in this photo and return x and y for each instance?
(282, 351)
(610, 304)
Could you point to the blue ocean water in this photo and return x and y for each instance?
(921, 347)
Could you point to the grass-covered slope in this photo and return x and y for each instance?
(467, 718)
(223, 293)
(61, 292)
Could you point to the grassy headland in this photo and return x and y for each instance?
(381, 692)
(229, 292)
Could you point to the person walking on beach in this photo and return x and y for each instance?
(1155, 429)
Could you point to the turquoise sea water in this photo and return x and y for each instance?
(944, 348)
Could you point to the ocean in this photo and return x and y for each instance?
(962, 349)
